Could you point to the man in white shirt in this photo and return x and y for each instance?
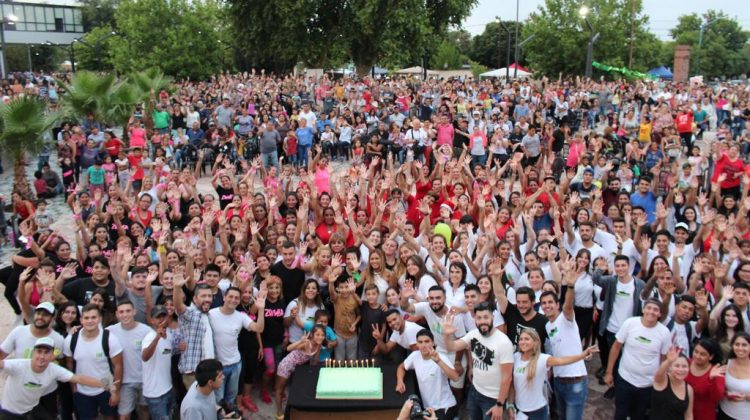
(492, 356)
(644, 343)
(226, 324)
(30, 377)
(570, 381)
(156, 353)
(130, 333)
(471, 298)
(307, 114)
(87, 353)
(403, 334)
(433, 371)
(21, 341)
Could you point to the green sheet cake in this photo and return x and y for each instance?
(353, 383)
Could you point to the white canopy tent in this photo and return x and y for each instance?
(416, 70)
(500, 73)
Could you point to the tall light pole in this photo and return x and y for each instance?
(507, 50)
(518, 47)
(700, 45)
(97, 47)
(584, 12)
(7, 20)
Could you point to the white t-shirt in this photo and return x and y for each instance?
(529, 395)
(408, 337)
(680, 334)
(564, 340)
(308, 314)
(622, 308)
(641, 351)
(425, 283)
(596, 250)
(433, 382)
(584, 291)
(454, 298)
(90, 359)
(20, 343)
(488, 353)
(435, 323)
(24, 387)
(226, 329)
(131, 340)
(157, 380)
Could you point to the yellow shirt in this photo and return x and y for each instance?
(644, 133)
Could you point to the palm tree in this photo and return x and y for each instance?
(149, 83)
(23, 124)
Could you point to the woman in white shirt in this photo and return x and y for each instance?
(736, 403)
(454, 286)
(530, 371)
(302, 309)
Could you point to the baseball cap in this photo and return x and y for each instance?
(158, 311)
(682, 225)
(46, 306)
(588, 169)
(45, 342)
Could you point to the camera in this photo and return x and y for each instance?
(417, 410)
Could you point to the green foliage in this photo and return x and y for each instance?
(23, 123)
(43, 57)
(447, 57)
(724, 49)
(561, 36)
(477, 69)
(184, 38)
(109, 100)
(329, 32)
(490, 47)
(98, 13)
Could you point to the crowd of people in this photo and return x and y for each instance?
(491, 237)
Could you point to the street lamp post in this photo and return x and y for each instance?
(507, 49)
(592, 39)
(71, 53)
(7, 20)
(518, 47)
(97, 47)
(700, 45)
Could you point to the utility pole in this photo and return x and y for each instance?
(632, 33)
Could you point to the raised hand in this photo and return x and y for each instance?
(448, 327)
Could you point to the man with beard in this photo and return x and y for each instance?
(433, 371)
(195, 326)
(433, 311)
(21, 343)
(492, 356)
(34, 375)
(585, 239)
(522, 314)
(570, 381)
(403, 334)
(80, 290)
(226, 324)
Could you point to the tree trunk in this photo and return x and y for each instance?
(20, 182)
(363, 69)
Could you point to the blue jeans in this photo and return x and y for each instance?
(478, 160)
(302, 154)
(540, 414)
(571, 399)
(270, 159)
(477, 405)
(631, 401)
(42, 160)
(228, 391)
(160, 408)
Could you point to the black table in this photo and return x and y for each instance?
(305, 380)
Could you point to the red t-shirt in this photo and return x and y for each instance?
(684, 122)
(706, 394)
(134, 163)
(730, 168)
(113, 147)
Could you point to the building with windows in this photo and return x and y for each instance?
(40, 21)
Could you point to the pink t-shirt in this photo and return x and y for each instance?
(445, 135)
(323, 180)
(137, 137)
(575, 153)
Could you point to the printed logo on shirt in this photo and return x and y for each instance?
(521, 369)
(32, 385)
(99, 354)
(553, 332)
(642, 339)
(621, 293)
(138, 344)
(483, 356)
(166, 351)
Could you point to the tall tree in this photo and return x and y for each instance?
(328, 32)
(98, 13)
(561, 35)
(723, 51)
(182, 37)
(490, 47)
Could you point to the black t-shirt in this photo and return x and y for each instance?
(226, 195)
(273, 331)
(80, 290)
(582, 190)
(60, 265)
(369, 316)
(291, 279)
(516, 323)
(459, 140)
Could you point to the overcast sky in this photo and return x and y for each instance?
(663, 14)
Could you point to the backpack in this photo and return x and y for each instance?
(688, 332)
(105, 348)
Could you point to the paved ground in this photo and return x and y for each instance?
(596, 408)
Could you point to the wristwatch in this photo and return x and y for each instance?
(500, 404)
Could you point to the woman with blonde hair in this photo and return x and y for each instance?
(376, 273)
(530, 371)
